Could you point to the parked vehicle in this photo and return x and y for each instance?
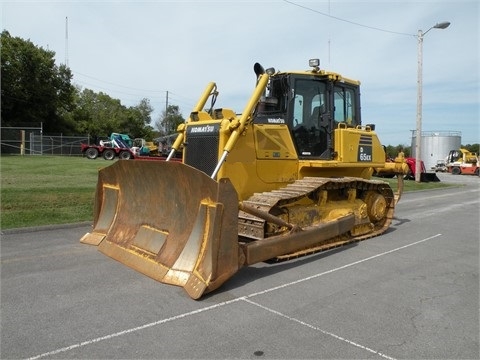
(463, 161)
(424, 175)
(118, 145)
(440, 166)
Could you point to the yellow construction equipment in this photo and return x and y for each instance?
(463, 161)
(290, 175)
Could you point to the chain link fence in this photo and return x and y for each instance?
(30, 140)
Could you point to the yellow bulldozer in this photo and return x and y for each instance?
(289, 176)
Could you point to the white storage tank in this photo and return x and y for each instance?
(435, 145)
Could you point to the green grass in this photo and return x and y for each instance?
(411, 185)
(46, 190)
(49, 190)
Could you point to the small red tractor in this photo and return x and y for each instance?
(425, 176)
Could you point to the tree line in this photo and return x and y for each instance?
(35, 90)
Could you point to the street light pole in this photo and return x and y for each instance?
(418, 132)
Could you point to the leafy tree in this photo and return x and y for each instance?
(33, 88)
(169, 120)
(472, 147)
(98, 114)
(139, 119)
(392, 151)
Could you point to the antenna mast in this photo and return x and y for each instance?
(66, 41)
(329, 30)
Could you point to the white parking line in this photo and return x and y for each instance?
(243, 298)
(128, 331)
(320, 330)
(342, 267)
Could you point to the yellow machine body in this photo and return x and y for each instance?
(290, 175)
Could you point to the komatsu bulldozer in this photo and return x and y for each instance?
(289, 176)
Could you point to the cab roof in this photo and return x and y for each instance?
(322, 73)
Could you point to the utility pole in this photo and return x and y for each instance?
(166, 104)
(167, 127)
(418, 132)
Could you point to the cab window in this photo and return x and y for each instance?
(309, 103)
(344, 99)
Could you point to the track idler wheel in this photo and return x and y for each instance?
(376, 206)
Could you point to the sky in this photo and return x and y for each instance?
(168, 51)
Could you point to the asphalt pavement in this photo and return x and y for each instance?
(412, 293)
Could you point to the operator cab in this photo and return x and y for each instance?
(312, 104)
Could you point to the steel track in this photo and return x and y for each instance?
(252, 228)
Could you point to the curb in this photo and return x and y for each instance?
(44, 228)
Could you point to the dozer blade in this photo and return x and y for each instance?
(168, 221)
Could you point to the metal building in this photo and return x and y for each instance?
(435, 145)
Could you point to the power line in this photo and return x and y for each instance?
(122, 86)
(158, 99)
(348, 21)
(150, 93)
